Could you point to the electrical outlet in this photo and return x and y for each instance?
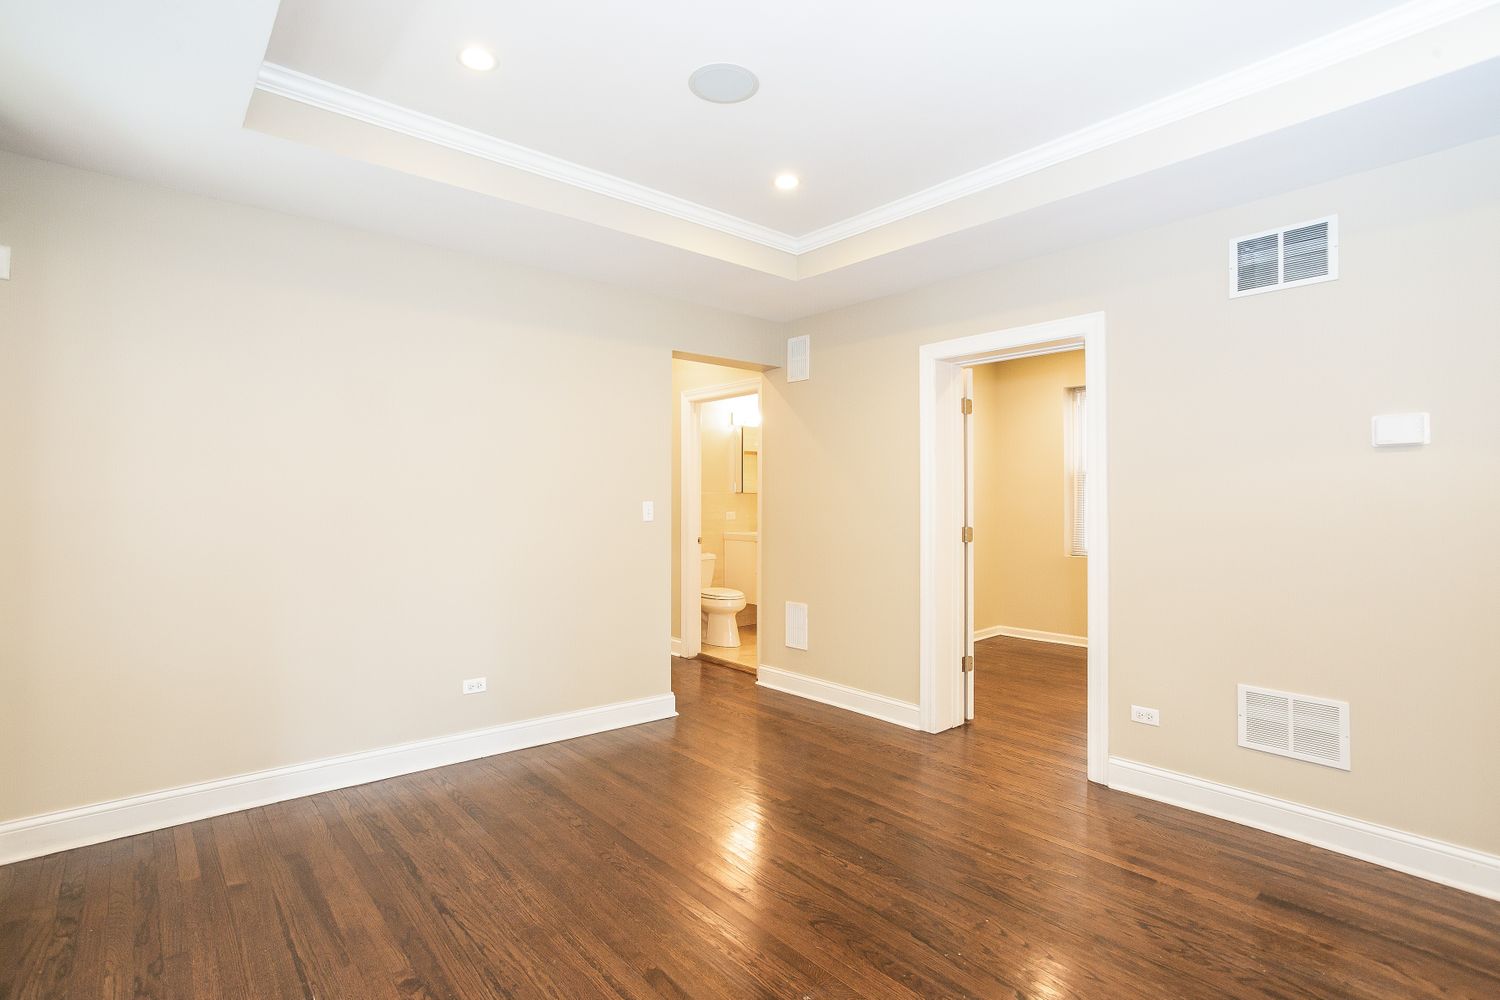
(730, 515)
(475, 685)
(648, 510)
(1145, 716)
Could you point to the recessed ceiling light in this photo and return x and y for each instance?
(723, 83)
(787, 182)
(480, 60)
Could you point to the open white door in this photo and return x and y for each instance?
(946, 581)
(968, 544)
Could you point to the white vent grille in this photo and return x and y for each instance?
(799, 358)
(796, 625)
(1295, 725)
(1285, 258)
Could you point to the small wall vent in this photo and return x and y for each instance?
(1295, 725)
(799, 358)
(1304, 254)
(796, 625)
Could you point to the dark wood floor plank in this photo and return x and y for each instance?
(759, 845)
(709, 902)
(470, 914)
(612, 869)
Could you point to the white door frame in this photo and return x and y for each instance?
(940, 396)
(690, 503)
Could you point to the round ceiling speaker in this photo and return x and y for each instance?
(723, 83)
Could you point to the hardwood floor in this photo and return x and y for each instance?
(757, 846)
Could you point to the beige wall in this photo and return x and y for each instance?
(1023, 574)
(270, 488)
(1255, 534)
(688, 375)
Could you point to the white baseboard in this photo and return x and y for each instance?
(676, 646)
(1061, 638)
(35, 836)
(1435, 860)
(876, 706)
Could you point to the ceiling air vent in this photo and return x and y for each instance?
(1295, 725)
(1284, 258)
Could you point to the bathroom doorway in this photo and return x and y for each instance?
(716, 579)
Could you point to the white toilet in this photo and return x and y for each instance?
(720, 605)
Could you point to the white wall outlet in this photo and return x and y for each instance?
(730, 515)
(1145, 716)
(648, 510)
(4, 262)
(475, 685)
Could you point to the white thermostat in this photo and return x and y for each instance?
(1392, 429)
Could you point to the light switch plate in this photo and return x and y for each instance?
(4, 262)
(648, 510)
(1389, 430)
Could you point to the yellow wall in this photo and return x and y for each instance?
(1023, 575)
(1256, 536)
(719, 499)
(698, 375)
(270, 489)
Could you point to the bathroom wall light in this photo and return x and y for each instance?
(744, 412)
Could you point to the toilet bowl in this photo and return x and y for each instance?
(720, 605)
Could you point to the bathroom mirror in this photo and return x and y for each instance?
(746, 460)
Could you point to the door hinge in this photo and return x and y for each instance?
(968, 534)
(968, 664)
(968, 406)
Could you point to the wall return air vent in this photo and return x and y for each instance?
(799, 358)
(1295, 725)
(1304, 254)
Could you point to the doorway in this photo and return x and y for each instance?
(946, 478)
(1027, 480)
(718, 500)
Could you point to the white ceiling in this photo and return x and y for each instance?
(866, 100)
(158, 90)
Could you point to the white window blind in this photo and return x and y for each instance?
(1077, 472)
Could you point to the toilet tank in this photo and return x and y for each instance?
(741, 563)
(706, 570)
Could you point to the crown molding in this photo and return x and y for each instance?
(1351, 42)
(310, 90)
(1347, 43)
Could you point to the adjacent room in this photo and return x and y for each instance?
(1027, 499)
(670, 500)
